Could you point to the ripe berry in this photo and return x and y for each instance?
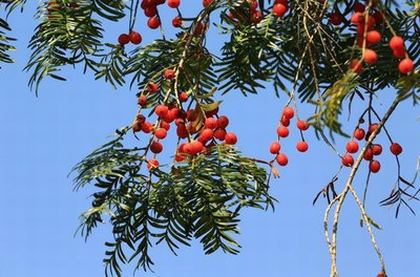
(405, 66)
(370, 56)
(169, 74)
(352, 147)
(283, 132)
(153, 22)
(156, 147)
(123, 39)
(279, 10)
(302, 146)
(399, 53)
(210, 123)
(282, 159)
(395, 149)
(357, 18)
(222, 122)
(359, 133)
(179, 157)
(368, 155)
(165, 125)
(275, 147)
(147, 127)
(396, 42)
(373, 37)
(336, 18)
(196, 147)
(231, 138)
(373, 127)
(220, 134)
(206, 135)
(182, 131)
(381, 274)
(347, 160)
(285, 121)
(142, 100)
(356, 66)
(152, 87)
(152, 164)
(137, 126)
(376, 149)
(374, 166)
(183, 96)
(302, 125)
(177, 22)
(161, 133)
(207, 3)
(135, 37)
(288, 112)
(174, 3)
(150, 11)
(161, 110)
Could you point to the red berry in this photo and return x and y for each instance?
(147, 127)
(152, 164)
(182, 131)
(196, 147)
(231, 138)
(207, 3)
(283, 131)
(123, 39)
(282, 159)
(206, 135)
(136, 126)
(406, 66)
(161, 110)
(347, 160)
(359, 133)
(275, 147)
(165, 125)
(279, 10)
(220, 134)
(336, 18)
(368, 155)
(396, 42)
(373, 37)
(177, 22)
(210, 123)
(399, 53)
(396, 149)
(156, 147)
(152, 87)
(135, 37)
(142, 100)
(174, 3)
(373, 127)
(370, 56)
(161, 133)
(288, 112)
(183, 96)
(357, 18)
(376, 149)
(222, 122)
(352, 147)
(150, 11)
(302, 146)
(356, 66)
(179, 157)
(381, 274)
(153, 22)
(169, 74)
(302, 125)
(374, 166)
(285, 121)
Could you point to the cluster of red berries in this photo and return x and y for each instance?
(283, 132)
(367, 37)
(373, 150)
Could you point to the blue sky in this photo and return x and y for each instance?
(42, 138)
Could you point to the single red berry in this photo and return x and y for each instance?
(161, 110)
(161, 133)
(302, 146)
(357, 18)
(283, 132)
(376, 149)
(347, 160)
(206, 134)
(279, 10)
(288, 112)
(302, 125)
(169, 74)
(220, 134)
(123, 39)
(147, 127)
(231, 138)
(399, 53)
(374, 166)
(370, 56)
(183, 96)
(368, 155)
(142, 100)
(150, 11)
(152, 87)
(177, 22)
(140, 118)
(156, 147)
(196, 147)
(396, 42)
(182, 131)
(359, 133)
(336, 18)
(135, 37)
(165, 125)
(406, 66)
(373, 37)
(356, 66)
(137, 126)
(395, 149)
(352, 147)
(373, 127)
(179, 157)
(152, 164)
(285, 121)
(282, 159)
(222, 122)
(275, 147)
(210, 123)
(174, 3)
(153, 22)
(207, 3)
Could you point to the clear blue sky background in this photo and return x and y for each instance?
(42, 138)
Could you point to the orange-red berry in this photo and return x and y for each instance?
(374, 166)
(282, 159)
(275, 147)
(347, 160)
(302, 146)
(395, 149)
